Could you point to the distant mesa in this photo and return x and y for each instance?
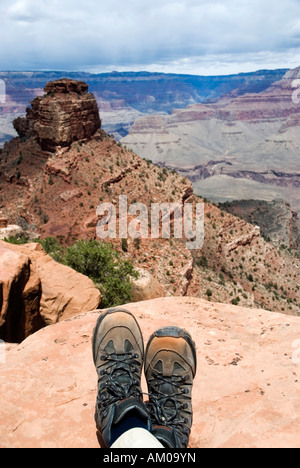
(66, 113)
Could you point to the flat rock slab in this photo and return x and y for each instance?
(246, 391)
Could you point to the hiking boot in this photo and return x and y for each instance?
(170, 367)
(118, 353)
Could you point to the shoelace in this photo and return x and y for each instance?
(120, 366)
(170, 415)
(119, 380)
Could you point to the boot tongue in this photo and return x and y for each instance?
(121, 373)
(167, 388)
(170, 410)
(123, 376)
(169, 368)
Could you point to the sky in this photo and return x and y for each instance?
(201, 37)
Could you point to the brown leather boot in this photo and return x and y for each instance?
(170, 367)
(118, 353)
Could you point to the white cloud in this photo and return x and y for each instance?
(25, 11)
(71, 34)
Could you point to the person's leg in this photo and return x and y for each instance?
(170, 367)
(118, 353)
(137, 438)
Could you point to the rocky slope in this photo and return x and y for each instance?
(237, 265)
(277, 221)
(246, 391)
(235, 145)
(57, 193)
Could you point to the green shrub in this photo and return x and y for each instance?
(105, 267)
(235, 301)
(137, 243)
(124, 245)
(16, 240)
(201, 261)
(209, 293)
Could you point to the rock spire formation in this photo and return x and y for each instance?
(66, 113)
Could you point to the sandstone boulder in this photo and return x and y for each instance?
(10, 230)
(37, 291)
(146, 287)
(246, 391)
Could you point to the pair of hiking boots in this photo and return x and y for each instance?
(170, 367)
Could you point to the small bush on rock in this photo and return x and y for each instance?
(110, 273)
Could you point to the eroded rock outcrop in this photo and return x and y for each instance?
(66, 113)
(20, 295)
(36, 291)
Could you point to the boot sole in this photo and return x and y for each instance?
(100, 320)
(174, 332)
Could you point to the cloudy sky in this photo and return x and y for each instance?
(180, 36)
